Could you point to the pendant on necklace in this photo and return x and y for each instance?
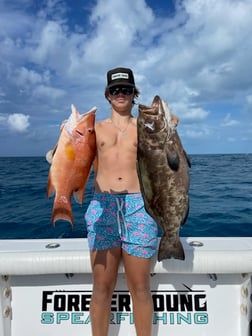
(122, 133)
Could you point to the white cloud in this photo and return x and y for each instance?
(188, 112)
(18, 122)
(194, 132)
(42, 91)
(51, 41)
(228, 121)
(249, 102)
(28, 77)
(195, 58)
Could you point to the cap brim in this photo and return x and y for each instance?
(124, 83)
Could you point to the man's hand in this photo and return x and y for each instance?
(175, 119)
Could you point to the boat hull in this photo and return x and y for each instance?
(46, 288)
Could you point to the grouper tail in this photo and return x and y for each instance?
(170, 248)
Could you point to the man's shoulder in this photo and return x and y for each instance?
(134, 120)
(101, 122)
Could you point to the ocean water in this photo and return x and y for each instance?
(220, 199)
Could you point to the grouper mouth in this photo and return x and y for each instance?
(156, 101)
(152, 110)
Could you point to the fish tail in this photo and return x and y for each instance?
(62, 213)
(170, 248)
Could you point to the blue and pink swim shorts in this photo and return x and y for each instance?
(120, 220)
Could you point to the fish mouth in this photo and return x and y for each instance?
(90, 115)
(76, 119)
(156, 101)
(92, 111)
(152, 110)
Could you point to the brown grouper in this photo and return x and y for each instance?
(163, 170)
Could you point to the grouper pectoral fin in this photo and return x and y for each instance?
(187, 158)
(173, 160)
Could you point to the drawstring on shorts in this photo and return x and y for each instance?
(120, 215)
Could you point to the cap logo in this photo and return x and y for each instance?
(120, 75)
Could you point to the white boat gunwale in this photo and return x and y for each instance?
(52, 256)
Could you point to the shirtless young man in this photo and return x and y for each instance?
(118, 225)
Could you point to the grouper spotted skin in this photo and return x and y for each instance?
(163, 170)
(71, 162)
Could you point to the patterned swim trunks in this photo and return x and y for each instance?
(120, 220)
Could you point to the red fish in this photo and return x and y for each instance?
(71, 162)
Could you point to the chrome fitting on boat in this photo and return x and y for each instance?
(196, 243)
(52, 245)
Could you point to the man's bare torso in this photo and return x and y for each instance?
(116, 158)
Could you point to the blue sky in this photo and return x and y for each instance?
(196, 54)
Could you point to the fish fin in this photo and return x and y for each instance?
(173, 160)
(79, 195)
(50, 191)
(49, 156)
(170, 248)
(51, 152)
(187, 159)
(62, 212)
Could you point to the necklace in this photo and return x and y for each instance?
(122, 132)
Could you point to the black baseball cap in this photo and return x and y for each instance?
(120, 76)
